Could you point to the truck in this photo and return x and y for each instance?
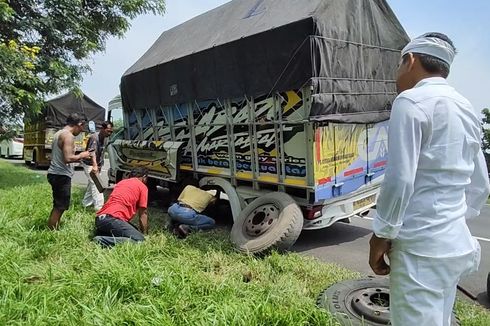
(39, 129)
(283, 106)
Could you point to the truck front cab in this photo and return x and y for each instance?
(160, 157)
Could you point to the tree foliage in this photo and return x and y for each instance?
(486, 130)
(43, 45)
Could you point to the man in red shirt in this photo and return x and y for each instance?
(112, 221)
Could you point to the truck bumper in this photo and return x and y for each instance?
(357, 203)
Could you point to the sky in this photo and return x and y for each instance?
(467, 23)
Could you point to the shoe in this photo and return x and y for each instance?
(182, 231)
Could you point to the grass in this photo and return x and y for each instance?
(62, 278)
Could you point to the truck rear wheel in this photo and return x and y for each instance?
(35, 163)
(488, 285)
(273, 221)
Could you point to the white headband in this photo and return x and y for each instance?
(433, 46)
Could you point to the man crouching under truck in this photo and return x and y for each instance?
(112, 221)
(436, 178)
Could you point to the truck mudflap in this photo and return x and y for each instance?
(161, 158)
(347, 206)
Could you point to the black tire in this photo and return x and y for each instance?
(488, 285)
(360, 302)
(273, 221)
(34, 163)
(337, 300)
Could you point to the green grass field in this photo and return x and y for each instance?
(62, 278)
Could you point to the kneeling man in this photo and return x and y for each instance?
(186, 212)
(112, 221)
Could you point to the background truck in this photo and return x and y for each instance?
(282, 105)
(39, 130)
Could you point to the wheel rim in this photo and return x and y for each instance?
(260, 220)
(372, 303)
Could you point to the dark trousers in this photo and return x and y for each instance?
(110, 231)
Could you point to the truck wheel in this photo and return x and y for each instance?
(360, 302)
(35, 163)
(273, 221)
(488, 285)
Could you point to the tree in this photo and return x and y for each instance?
(486, 136)
(486, 131)
(43, 44)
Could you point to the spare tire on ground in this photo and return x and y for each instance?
(363, 302)
(272, 221)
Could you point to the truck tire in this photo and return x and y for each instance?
(35, 163)
(272, 221)
(360, 302)
(488, 285)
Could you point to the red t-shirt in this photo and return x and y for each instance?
(128, 195)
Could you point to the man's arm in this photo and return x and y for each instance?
(67, 145)
(92, 146)
(404, 142)
(143, 213)
(405, 136)
(478, 190)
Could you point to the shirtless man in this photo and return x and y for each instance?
(61, 168)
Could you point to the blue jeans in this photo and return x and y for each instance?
(110, 231)
(183, 215)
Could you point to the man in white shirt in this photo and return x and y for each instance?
(436, 178)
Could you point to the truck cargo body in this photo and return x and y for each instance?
(262, 144)
(38, 139)
(39, 130)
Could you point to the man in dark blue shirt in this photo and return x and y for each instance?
(94, 164)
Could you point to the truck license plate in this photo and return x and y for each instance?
(364, 202)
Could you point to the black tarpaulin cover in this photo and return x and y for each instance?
(346, 50)
(58, 109)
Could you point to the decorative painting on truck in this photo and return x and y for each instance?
(160, 157)
(211, 137)
(347, 156)
(219, 133)
(212, 132)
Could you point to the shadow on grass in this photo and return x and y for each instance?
(13, 175)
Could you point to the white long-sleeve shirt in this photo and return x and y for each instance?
(436, 173)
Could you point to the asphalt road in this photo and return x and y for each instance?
(348, 244)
